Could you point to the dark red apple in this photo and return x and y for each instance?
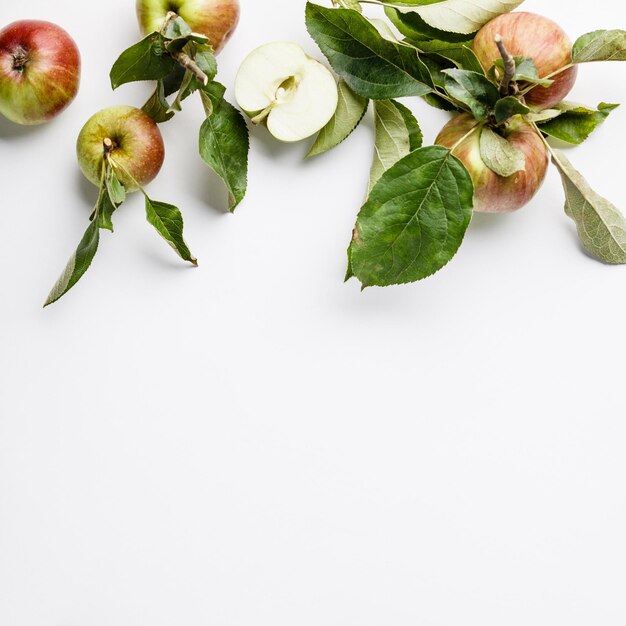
(494, 193)
(215, 19)
(535, 37)
(39, 71)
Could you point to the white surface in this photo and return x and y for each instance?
(255, 442)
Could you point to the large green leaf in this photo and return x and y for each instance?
(397, 134)
(601, 227)
(576, 123)
(146, 60)
(600, 45)
(350, 111)
(412, 26)
(456, 16)
(371, 65)
(168, 221)
(414, 220)
(460, 53)
(224, 143)
(78, 264)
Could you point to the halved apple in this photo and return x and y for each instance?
(280, 85)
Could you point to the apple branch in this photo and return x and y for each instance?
(509, 67)
(188, 63)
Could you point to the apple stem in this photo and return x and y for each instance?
(189, 64)
(257, 119)
(509, 67)
(109, 145)
(169, 18)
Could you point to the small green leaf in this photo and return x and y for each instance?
(78, 264)
(350, 111)
(499, 155)
(508, 107)
(146, 60)
(574, 125)
(168, 221)
(104, 211)
(601, 227)
(474, 90)
(525, 72)
(371, 65)
(177, 28)
(414, 220)
(224, 143)
(157, 107)
(600, 45)
(396, 131)
(115, 189)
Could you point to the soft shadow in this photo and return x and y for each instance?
(209, 189)
(12, 132)
(169, 263)
(88, 193)
(487, 221)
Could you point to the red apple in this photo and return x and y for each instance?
(535, 37)
(39, 71)
(215, 19)
(494, 193)
(137, 146)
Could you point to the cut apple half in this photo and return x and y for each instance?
(280, 85)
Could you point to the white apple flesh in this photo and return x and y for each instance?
(293, 94)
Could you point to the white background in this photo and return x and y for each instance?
(256, 443)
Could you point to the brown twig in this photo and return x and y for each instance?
(189, 64)
(509, 67)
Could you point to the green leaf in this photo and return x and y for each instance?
(104, 210)
(574, 125)
(508, 107)
(474, 90)
(224, 143)
(397, 134)
(371, 65)
(601, 227)
(146, 60)
(177, 28)
(78, 264)
(412, 26)
(461, 54)
(525, 72)
(168, 221)
(600, 45)
(414, 220)
(157, 107)
(499, 155)
(456, 16)
(416, 139)
(115, 189)
(350, 111)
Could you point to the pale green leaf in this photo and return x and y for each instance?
(601, 227)
(350, 111)
(499, 155)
